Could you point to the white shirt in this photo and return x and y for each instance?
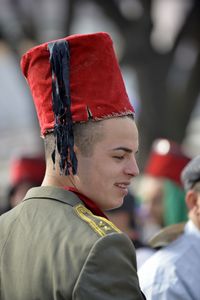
(173, 273)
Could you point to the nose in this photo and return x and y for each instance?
(132, 168)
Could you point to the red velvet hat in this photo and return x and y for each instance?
(166, 160)
(73, 80)
(25, 168)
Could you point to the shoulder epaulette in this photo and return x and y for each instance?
(99, 224)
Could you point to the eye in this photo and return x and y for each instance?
(118, 157)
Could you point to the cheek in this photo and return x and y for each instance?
(107, 174)
(90, 174)
(100, 181)
(98, 173)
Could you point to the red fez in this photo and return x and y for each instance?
(166, 160)
(73, 80)
(96, 86)
(30, 169)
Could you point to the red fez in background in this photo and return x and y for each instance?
(31, 169)
(73, 80)
(166, 160)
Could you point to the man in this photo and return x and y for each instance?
(173, 272)
(160, 189)
(57, 244)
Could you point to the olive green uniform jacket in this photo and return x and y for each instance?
(52, 247)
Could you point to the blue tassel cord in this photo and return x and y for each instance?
(63, 128)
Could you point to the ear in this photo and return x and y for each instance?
(191, 199)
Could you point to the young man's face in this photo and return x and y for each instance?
(104, 177)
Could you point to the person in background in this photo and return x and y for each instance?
(57, 243)
(160, 189)
(126, 219)
(174, 269)
(25, 172)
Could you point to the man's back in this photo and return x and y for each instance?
(51, 247)
(173, 272)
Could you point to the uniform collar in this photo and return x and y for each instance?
(90, 204)
(66, 195)
(54, 193)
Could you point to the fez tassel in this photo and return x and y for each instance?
(63, 127)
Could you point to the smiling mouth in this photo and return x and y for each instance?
(123, 186)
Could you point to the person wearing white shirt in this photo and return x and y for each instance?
(173, 272)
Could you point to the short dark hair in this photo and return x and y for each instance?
(86, 135)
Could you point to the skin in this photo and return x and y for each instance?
(154, 206)
(104, 176)
(193, 203)
(152, 196)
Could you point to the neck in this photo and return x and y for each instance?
(58, 180)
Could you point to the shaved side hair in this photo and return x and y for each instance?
(86, 135)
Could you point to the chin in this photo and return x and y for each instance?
(115, 204)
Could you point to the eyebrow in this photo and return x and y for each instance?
(123, 149)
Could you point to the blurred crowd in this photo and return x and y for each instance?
(21, 26)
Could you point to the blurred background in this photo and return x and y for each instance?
(158, 47)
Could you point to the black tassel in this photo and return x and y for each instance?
(63, 128)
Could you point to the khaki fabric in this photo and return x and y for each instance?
(53, 248)
(167, 235)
